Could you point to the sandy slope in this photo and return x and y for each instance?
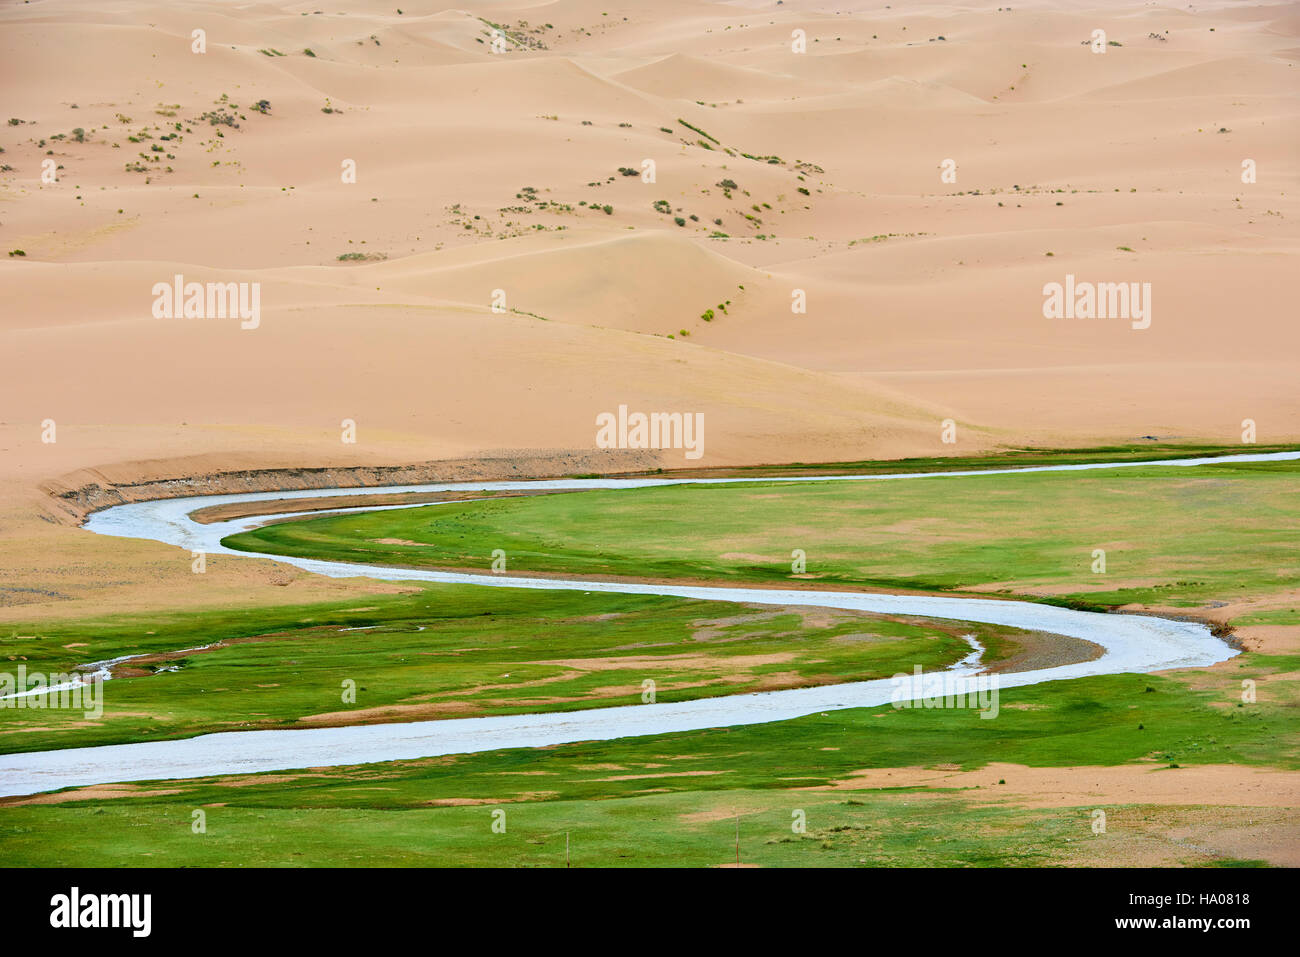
(924, 297)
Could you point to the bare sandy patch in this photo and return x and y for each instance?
(1181, 836)
(478, 802)
(712, 815)
(384, 714)
(1230, 785)
(662, 774)
(100, 792)
(686, 661)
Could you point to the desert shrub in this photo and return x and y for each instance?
(698, 130)
(219, 118)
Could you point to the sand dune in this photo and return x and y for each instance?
(681, 76)
(814, 174)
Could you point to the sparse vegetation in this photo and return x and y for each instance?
(700, 131)
(219, 117)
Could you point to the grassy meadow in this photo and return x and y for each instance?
(671, 799)
(455, 651)
(1172, 536)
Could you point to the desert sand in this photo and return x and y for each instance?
(478, 171)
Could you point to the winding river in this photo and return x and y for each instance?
(1130, 643)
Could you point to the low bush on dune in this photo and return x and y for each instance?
(219, 117)
(700, 131)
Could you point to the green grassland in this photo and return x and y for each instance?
(669, 800)
(1172, 535)
(907, 828)
(999, 459)
(455, 651)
